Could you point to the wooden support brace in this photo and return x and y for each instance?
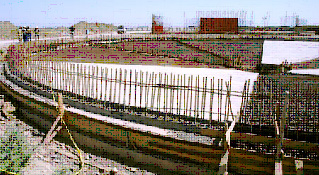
(223, 165)
(280, 136)
(61, 113)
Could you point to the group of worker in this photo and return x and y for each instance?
(25, 32)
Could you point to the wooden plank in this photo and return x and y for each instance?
(245, 137)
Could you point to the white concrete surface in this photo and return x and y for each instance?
(237, 84)
(305, 71)
(275, 52)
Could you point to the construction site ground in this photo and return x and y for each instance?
(57, 157)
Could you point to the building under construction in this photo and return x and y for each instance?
(157, 24)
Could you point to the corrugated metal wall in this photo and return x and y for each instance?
(218, 25)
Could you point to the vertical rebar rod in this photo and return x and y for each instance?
(147, 89)
(153, 90)
(191, 98)
(135, 88)
(212, 83)
(159, 92)
(196, 99)
(221, 97)
(101, 83)
(124, 99)
(187, 98)
(172, 95)
(130, 90)
(185, 104)
(120, 86)
(78, 81)
(177, 95)
(164, 92)
(96, 82)
(218, 102)
(115, 86)
(83, 74)
(111, 82)
(105, 88)
(141, 88)
(204, 97)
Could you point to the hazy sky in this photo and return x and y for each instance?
(138, 12)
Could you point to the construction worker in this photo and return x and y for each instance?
(28, 32)
(24, 33)
(19, 34)
(72, 31)
(36, 33)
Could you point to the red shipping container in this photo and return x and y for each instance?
(157, 29)
(218, 25)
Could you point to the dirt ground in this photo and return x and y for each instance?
(249, 51)
(311, 64)
(57, 157)
(187, 54)
(95, 54)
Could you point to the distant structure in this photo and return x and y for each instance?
(241, 15)
(157, 24)
(120, 29)
(293, 20)
(218, 25)
(8, 30)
